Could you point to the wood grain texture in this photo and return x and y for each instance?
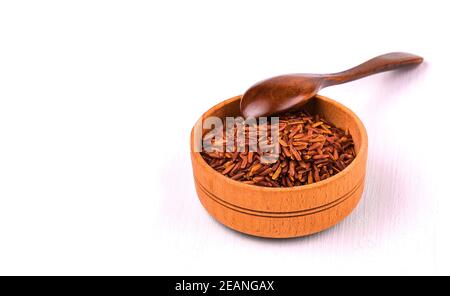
(284, 212)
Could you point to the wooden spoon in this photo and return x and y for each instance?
(289, 92)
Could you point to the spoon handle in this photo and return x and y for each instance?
(376, 65)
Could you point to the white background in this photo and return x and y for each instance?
(97, 99)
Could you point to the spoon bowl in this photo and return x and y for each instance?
(279, 94)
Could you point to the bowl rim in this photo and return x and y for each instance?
(361, 151)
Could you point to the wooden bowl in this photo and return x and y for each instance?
(284, 212)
